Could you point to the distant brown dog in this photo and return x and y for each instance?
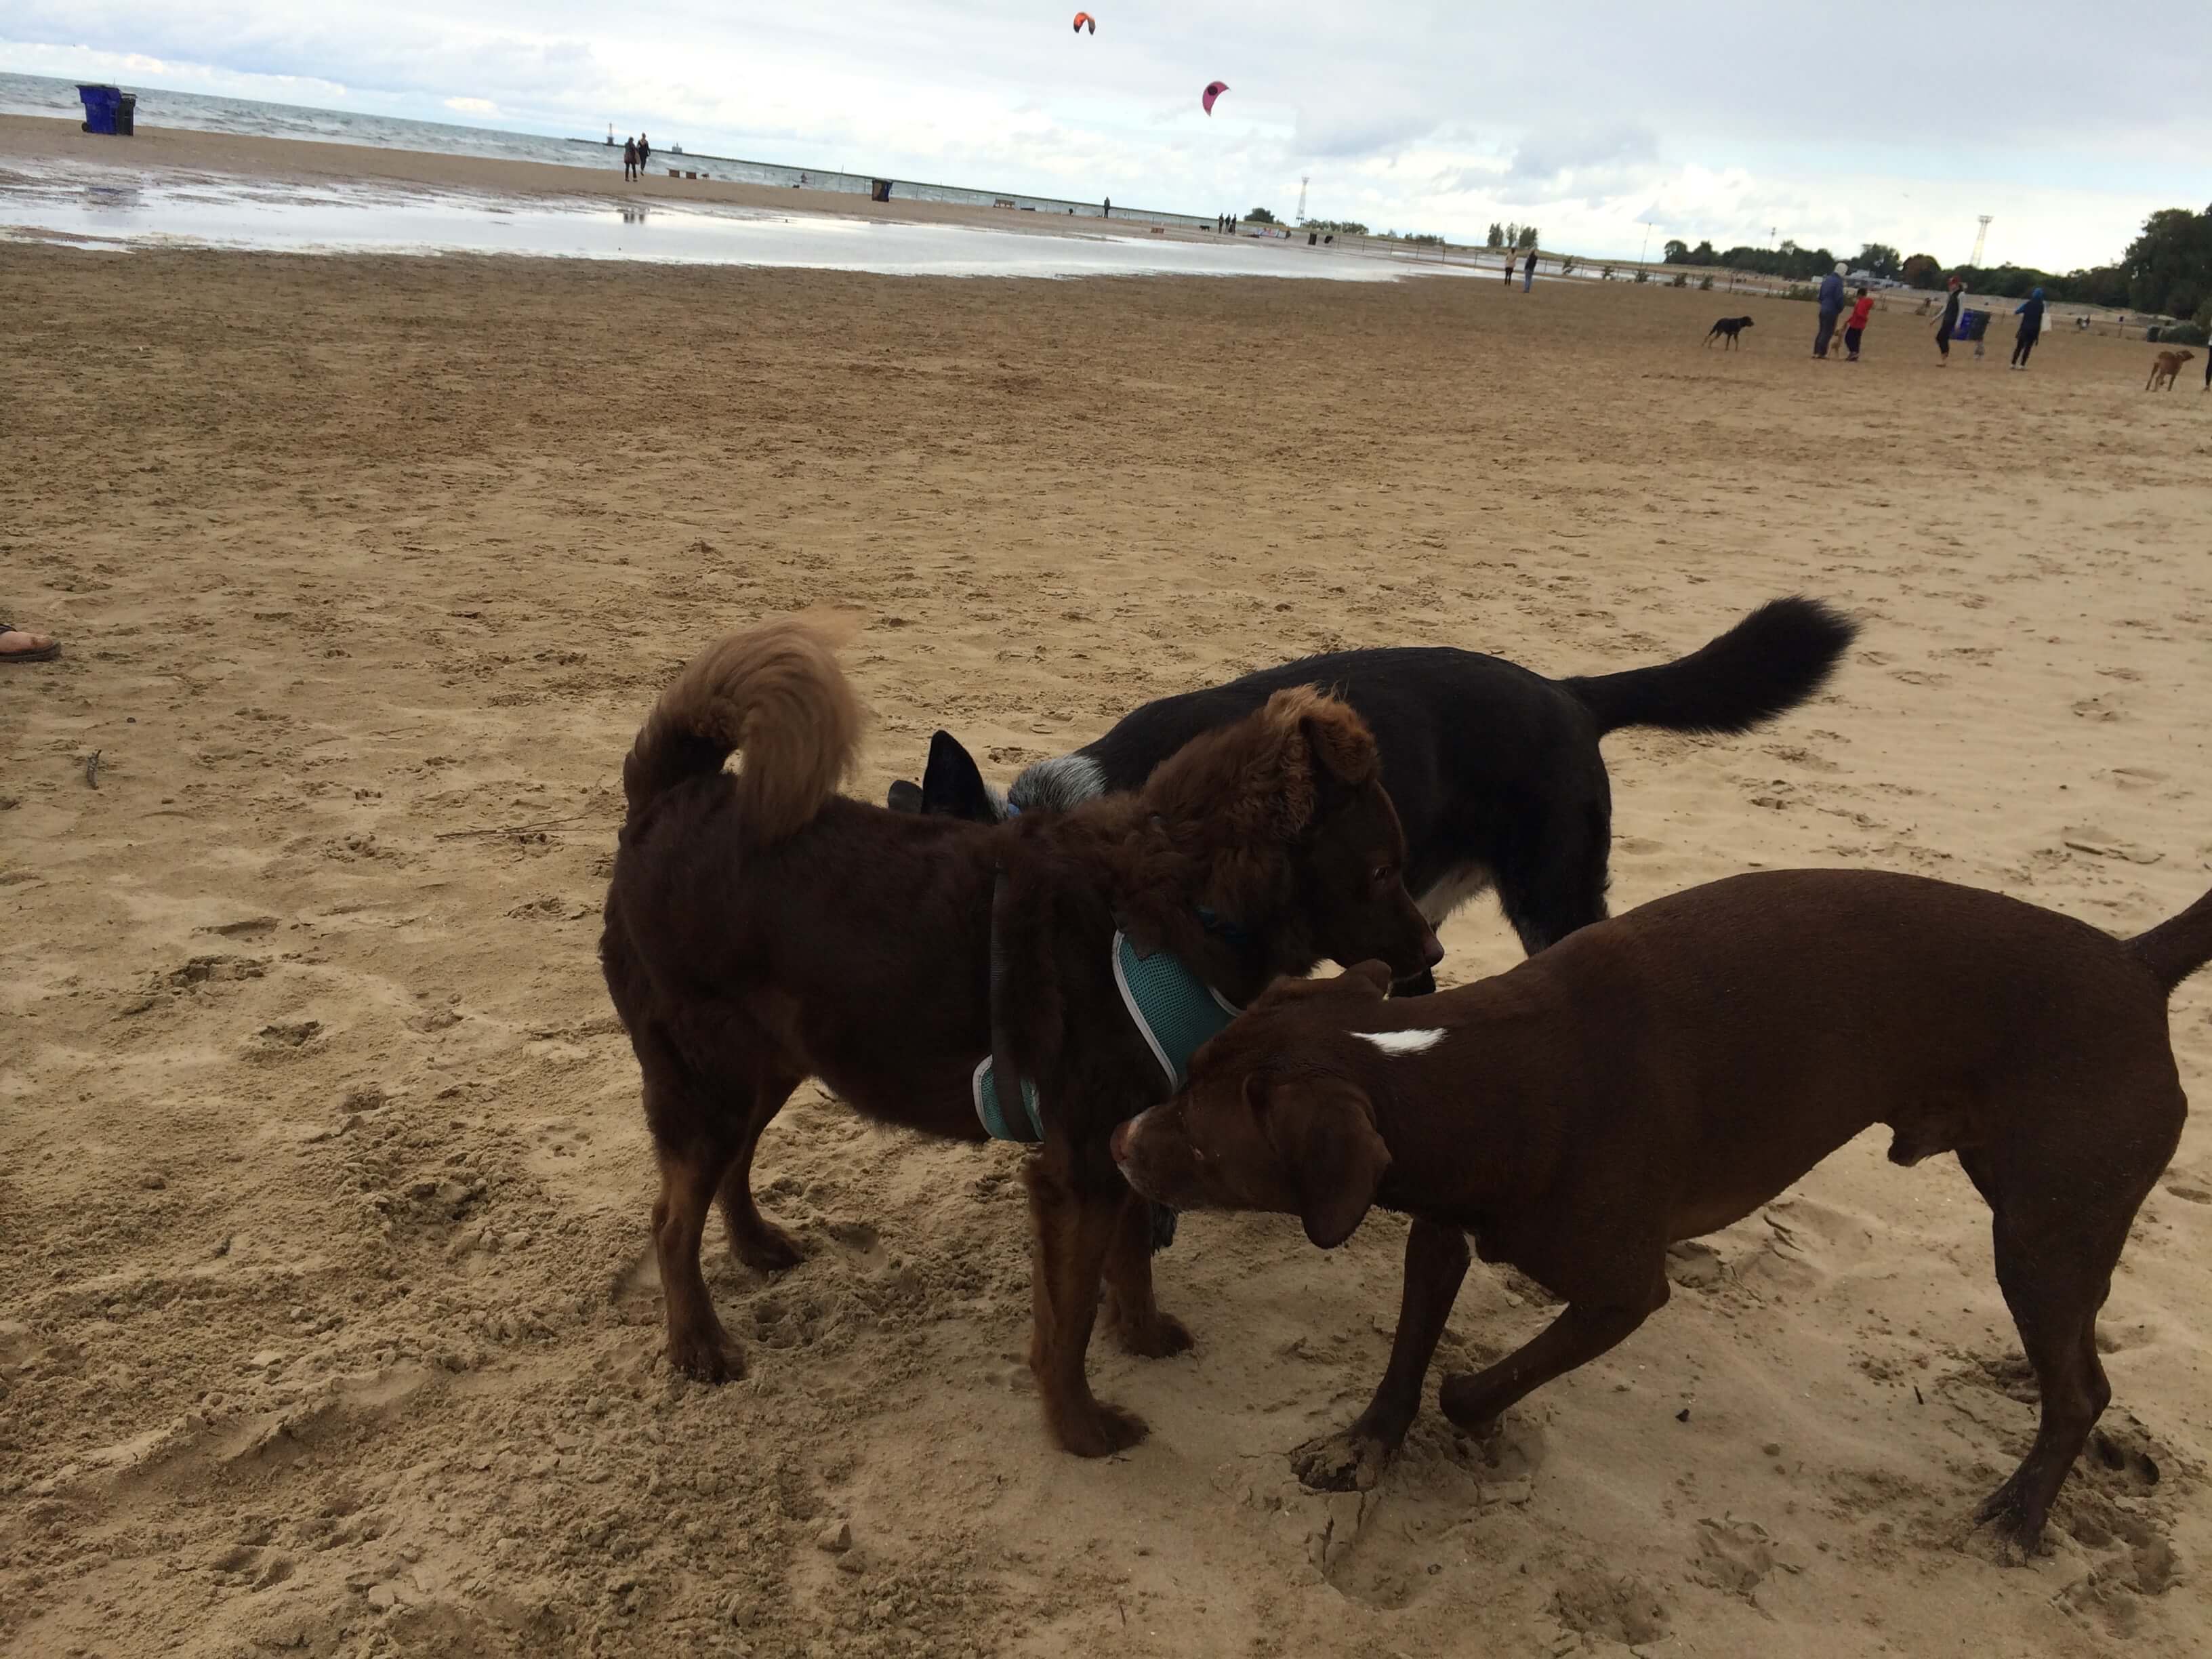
(1664, 1074)
(761, 929)
(2165, 366)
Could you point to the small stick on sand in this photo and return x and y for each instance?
(92, 768)
(515, 829)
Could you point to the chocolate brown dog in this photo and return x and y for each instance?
(761, 929)
(1661, 1075)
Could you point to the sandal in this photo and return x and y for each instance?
(45, 652)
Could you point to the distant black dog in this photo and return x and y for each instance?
(1729, 328)
(1495, 770)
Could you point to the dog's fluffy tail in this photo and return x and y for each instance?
(776, 695)
(1766, 664)
(2178, 947)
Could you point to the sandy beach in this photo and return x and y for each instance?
(327, 1319)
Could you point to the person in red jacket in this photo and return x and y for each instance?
(1855, 327)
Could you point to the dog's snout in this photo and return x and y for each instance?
(1118, 1144)
(1433, 949)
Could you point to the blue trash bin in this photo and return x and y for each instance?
(100, 106)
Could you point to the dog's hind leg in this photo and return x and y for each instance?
(1075, 1216)
(689, 1169)
(1132, 1313)
(754, 1239)
(2059, 1220)
(1353, 1459)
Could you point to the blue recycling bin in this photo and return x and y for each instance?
(101, 105)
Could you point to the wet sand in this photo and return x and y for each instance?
(30, 144)
(327, 1322)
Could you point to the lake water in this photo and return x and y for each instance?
(38, 94)
(122, 208)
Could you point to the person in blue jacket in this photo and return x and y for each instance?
(2029, 313)
(1832, 306)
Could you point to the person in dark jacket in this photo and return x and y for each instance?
(1832, 306)
(1952, 302)
(2030, 313)
(1528, 272)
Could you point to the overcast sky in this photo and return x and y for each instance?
(1704, 118)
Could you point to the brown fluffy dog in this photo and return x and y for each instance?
(761, 929)
(1664, 1074)
(2165, 367)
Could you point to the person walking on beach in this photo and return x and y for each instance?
(1528, 272)
(1510, 263)
(1855, 330)
(644, 155)
(629, 158)
(2029, 313)
(1832, 306)
(1952, 301)
(1107, 212)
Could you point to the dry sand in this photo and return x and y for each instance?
(329, 1323)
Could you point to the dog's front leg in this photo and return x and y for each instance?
(1583, 1332)
(1353, 1459)
(1136, 1317)
(1074, 1214)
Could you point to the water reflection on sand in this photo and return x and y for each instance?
(127, 209)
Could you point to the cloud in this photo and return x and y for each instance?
(1546, 159)
(1340, 131)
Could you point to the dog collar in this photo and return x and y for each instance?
(1173, 1009)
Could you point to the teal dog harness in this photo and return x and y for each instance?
(1173, 1009)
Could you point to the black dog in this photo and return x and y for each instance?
(1495, 770)
(1729, 327)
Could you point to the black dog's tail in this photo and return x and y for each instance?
(2178, 947)
(1766, 664)
(777, 695)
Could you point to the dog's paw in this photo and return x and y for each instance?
(1343, 1461)
(1469, 1407)
(1155, 1338)
(2007, 1512)
(1101, 1431)
(766, 1248)
(707, 1356)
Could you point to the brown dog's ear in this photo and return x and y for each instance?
(1324, 1129)
(1376, 976)
(1367, 981)
(1338, 741)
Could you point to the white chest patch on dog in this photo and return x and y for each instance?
(1403, 1042)
(1453, 888)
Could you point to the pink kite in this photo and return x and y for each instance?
(1214, 89)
